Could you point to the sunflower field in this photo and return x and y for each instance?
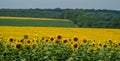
(36, 43)
(57, 48)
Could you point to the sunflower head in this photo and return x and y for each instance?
(51, 39)
(25, 37)
(22, 40)
(105, 46)
(75, 39)
(28, 42)
(11, 40)
(110, 41)
(57, 41)
(75, 46)
(65, 41)
(34, 45)
(59, 37)
(18, 46)
(7, 46)
(35, 35)
(84, 41)
(119, 44)
(93, 44)
(100, 44)
(70, 40)
(47, 40)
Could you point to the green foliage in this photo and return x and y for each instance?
(44, 23)
(49, 51)
(80, 17)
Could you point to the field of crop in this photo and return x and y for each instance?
(29, 18)
(43, 22)
(57, 43)
(91, 33)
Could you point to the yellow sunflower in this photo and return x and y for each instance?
(59, 37)
(51, 39)
(7, 46)
(65, 41)
(75, 46)
(25, 37)
(11, 40)
(28, 42)
(84, 41)
(34, 45)
(75, 39)
(105, 46)
(35, 38)
(18, 46)
(57, 41)
(119, 44)
(46, 40)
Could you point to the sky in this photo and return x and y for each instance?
(81, 4)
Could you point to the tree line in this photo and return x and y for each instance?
(80, 17)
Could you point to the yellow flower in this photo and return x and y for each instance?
(28, 42)
(59, 37)
(35, 37)
(34, 45)
(119, 44)
(7, 46)
(105, 46)
(25, 36)
(84, 41)
(75, 46)
(21, 40)
(46, 40)
(11, 40)
(75, 39)
(65, 41)
(51, 39)
(57, 41)
(18, 46)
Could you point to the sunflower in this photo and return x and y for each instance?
(57, 41)
(7, 46)
(75, 39)
(47, 40)
(93, 44)
(65, 41)
(75, 46)
(59, 37)
(119, 44)
(22, 41)
(28, 42)
(51, 38)
(105, 46)
(18, 46)
(34, 45)
(70, 40)
(35, 38)
(100, 45)
(25, 37)
(110, 41)
(84, 41)
(11, 40)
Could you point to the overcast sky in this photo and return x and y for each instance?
(84, 4)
